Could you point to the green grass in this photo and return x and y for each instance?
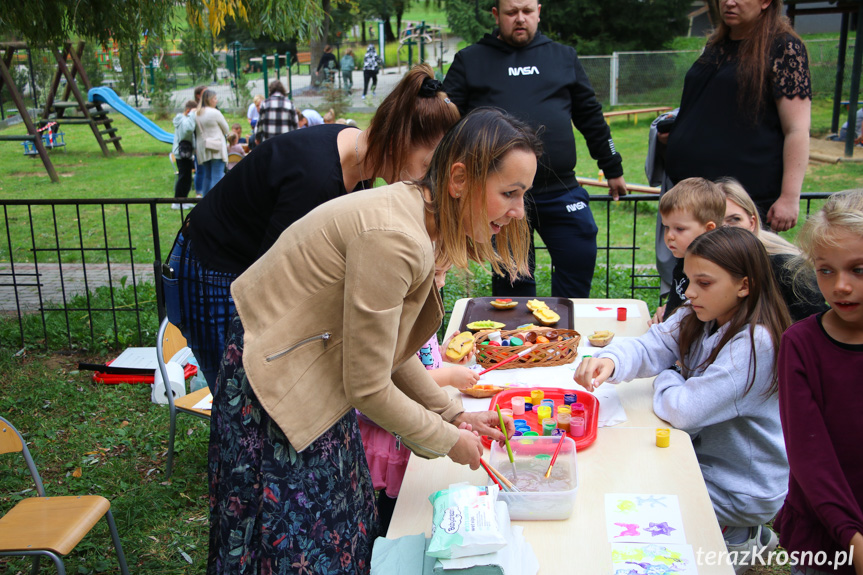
(426, 11)
(107, 440)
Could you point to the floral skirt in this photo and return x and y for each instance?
(276, 510)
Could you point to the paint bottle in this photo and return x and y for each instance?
(528, 406)
(578, 410)
(543, 412)
(576, 426)
(564, 409)
(550, 404)
(569, 398)
(517, 403)
(563, 420)
(536, 396)
(495, 337)
(548, 425)
(506, 412)
(663, 437)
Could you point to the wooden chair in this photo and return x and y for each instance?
(234, 158)
(168, 342)
(49, 526)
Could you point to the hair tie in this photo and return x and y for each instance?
(430, 87)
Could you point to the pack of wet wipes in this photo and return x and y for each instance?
(464, 522)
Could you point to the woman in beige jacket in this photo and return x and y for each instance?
(330, 319)
(211, 147)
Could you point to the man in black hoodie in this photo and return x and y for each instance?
(520, 70)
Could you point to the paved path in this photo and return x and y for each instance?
(304, 96)
(23, 292)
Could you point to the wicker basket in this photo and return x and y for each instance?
(557, 352)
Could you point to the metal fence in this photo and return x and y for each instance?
(75, 271)
(656, 78)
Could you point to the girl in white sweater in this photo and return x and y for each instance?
(726, 339)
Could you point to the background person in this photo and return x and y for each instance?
(820, 361)
(548, 88)
(254, 111)
(281, 181)
(327, 63)
(745, 110)
(347, 66)
(283, 428)
(371, 64)
(211, 147)
(234, 147)
(277, 114)
(184, 153)
(799, 290)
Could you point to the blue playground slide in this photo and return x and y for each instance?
(110, 97)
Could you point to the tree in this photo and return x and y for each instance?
(51, 22)
(470, 19)
(615, 25)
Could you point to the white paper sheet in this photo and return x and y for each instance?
(584, 310)
(611, 411)
(137, 357)
(206, 403)
(643, 518)
(648, 558)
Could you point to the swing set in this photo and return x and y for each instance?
(46, 135)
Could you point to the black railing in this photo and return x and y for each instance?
(77, 269)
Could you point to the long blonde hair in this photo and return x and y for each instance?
(843, 212)
(773, 243)
(480, 141)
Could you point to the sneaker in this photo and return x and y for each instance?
(175, 206)
(754, 551)
(188, 206)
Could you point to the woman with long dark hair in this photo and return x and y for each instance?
(745, 110)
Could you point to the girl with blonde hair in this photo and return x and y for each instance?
(799, 290)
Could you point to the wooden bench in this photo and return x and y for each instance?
(304, 59)
(657, 110)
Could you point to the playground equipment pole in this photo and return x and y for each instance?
(134, 74)
(422, 42)
(32, 79)
(288, 66)
(264, 69)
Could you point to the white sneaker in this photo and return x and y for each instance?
(188, 206)
(754, 551)
(175, 206)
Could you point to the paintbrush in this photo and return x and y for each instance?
(506, 440)
(554, 457)
(491, 474)
(509, 359)
(506, 482)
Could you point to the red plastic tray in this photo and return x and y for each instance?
(113, 378)
(591, 410)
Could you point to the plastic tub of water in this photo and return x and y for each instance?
(540, 498)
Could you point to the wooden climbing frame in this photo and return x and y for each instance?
(90, 113)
